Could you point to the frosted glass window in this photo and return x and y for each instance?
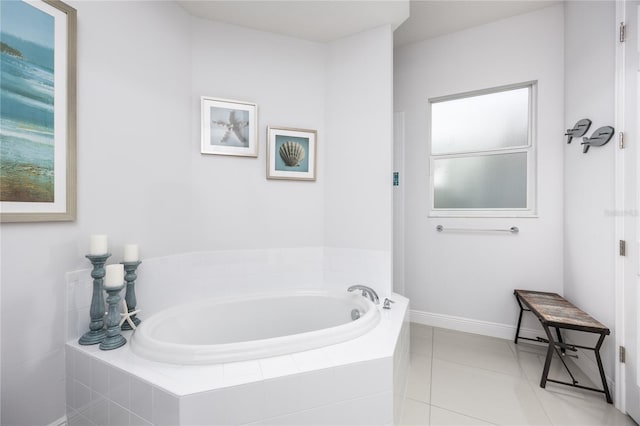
(483, 160)
(481, 182)
(482, 122)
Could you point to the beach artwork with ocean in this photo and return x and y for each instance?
(26, 103)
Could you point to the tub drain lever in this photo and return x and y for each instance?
(387, 303)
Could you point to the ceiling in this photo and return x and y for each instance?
(429, 19)
(326, 20)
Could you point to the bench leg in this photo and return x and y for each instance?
(562, 349)
(547, 362)
(605, 387)
(519, 320)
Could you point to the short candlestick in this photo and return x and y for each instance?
(113, 337)
(130, 277)
(96, 333)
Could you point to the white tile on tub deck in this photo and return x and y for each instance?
(141, 398)
(282, 396)
(118, 416)
(165, 408)
(235, 405)
(99, 413)
(312, 360)
(82, 397)
(119, 387)
(99, 376)
(316, 388)
(370, 410)
(277, 366)
(363, 378)
(83, 369)
(237, 373)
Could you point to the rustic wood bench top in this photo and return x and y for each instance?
(556, 311)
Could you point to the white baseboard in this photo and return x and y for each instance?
(504, 331)
(468, 325)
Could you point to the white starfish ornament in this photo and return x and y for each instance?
(126, 315)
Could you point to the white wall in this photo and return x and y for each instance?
(286, 77)
(589, 179)
(473, 275)
(133, 125)
(358, 198)
(141, 177)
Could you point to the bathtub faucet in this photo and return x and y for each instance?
(366, 292)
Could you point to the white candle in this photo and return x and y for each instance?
(98, 245)
(131, 253)
(114, 277)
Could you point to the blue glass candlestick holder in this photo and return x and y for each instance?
(113, 338)
(130, 277)
(96, 333)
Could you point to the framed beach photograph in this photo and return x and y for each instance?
(291, 153)
(37, 111)
(229, 127)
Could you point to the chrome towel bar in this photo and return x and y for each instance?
(512, 230)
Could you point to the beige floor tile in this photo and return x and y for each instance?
(442, 417)
(420, 330)
(419, 380)
(568, 406)
(476, 351)
(493, 397)
(421, 345)
(466, 387)
(531, 362)
(414, 413)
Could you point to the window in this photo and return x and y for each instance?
(482, 153)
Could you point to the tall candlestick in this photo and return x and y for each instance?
(113, 338)
(98, 245)
(96, 333)
(130, 297)
(114, 277)
(131, 253)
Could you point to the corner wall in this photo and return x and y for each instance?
(589, 179)
(358, 197)
(469, 278)
(141, 177)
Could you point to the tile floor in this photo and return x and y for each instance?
(466, 379)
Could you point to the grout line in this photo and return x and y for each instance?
(433, 344)
(462, 414)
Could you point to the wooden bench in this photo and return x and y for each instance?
(553, 311)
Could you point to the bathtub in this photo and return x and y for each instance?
(252, 327)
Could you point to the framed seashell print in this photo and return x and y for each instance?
(291, 153)
(229, 127)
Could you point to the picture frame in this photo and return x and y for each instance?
(38, 114)
(291, 153)
(229, 127)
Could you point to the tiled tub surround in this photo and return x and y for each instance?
(356, 382)
(360, 381)
(168, 281)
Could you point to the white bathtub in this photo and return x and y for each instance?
(252, 327)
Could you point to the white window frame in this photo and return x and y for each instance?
(529, 149)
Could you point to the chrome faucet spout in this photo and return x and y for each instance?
(366, 292)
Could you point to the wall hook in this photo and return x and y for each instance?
(600, 137)
(580, 129)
